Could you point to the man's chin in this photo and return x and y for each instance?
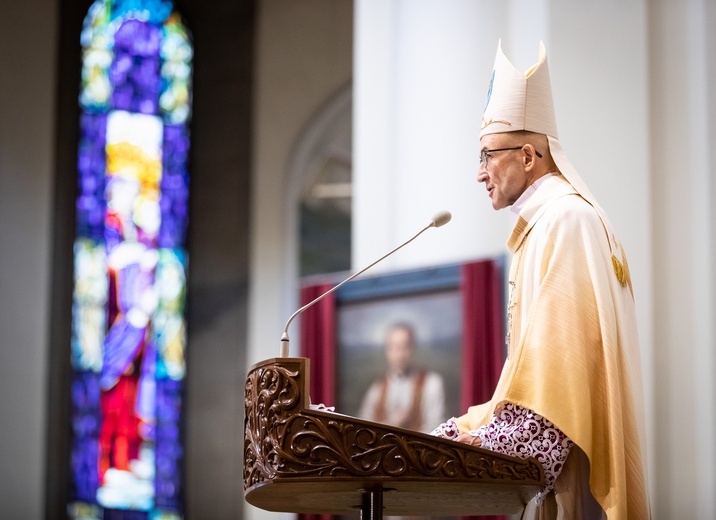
(496, 202)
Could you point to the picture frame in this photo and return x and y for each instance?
(428, 302)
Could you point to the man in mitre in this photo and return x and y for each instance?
(570, 392)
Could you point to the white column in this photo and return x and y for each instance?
(682, 108)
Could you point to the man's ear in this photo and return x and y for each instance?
(529, 158)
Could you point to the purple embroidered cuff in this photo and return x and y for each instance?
(520, 432)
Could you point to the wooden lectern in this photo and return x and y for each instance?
(304, 460)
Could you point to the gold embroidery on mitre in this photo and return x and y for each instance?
(488, 122)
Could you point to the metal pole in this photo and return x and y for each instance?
(372, 504)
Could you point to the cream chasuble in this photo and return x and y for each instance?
(573, 351)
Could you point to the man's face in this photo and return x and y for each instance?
(504, 175)
(399, 350)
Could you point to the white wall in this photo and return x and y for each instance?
(27, 87)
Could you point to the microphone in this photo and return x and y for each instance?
(439, 219)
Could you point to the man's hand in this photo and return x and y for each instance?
(469, 438)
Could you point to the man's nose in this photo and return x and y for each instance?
(482, 174)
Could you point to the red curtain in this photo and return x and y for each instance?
(318, 338)
(483, 343)
(483, 335)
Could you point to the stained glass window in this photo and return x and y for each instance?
(130, 263)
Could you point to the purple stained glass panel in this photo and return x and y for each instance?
(84, 451)
(135, 72)
(169, 446)
(175, 187)
(91, 183)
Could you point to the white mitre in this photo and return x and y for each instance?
(523, 101)
(517, 101)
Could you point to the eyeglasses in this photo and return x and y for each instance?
(485, 154)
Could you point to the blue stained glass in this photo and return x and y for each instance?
(96, 39)
(128, 313)
(169, 334)
(155, 12)
(176, 72)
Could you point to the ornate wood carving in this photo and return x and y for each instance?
(284, 438)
